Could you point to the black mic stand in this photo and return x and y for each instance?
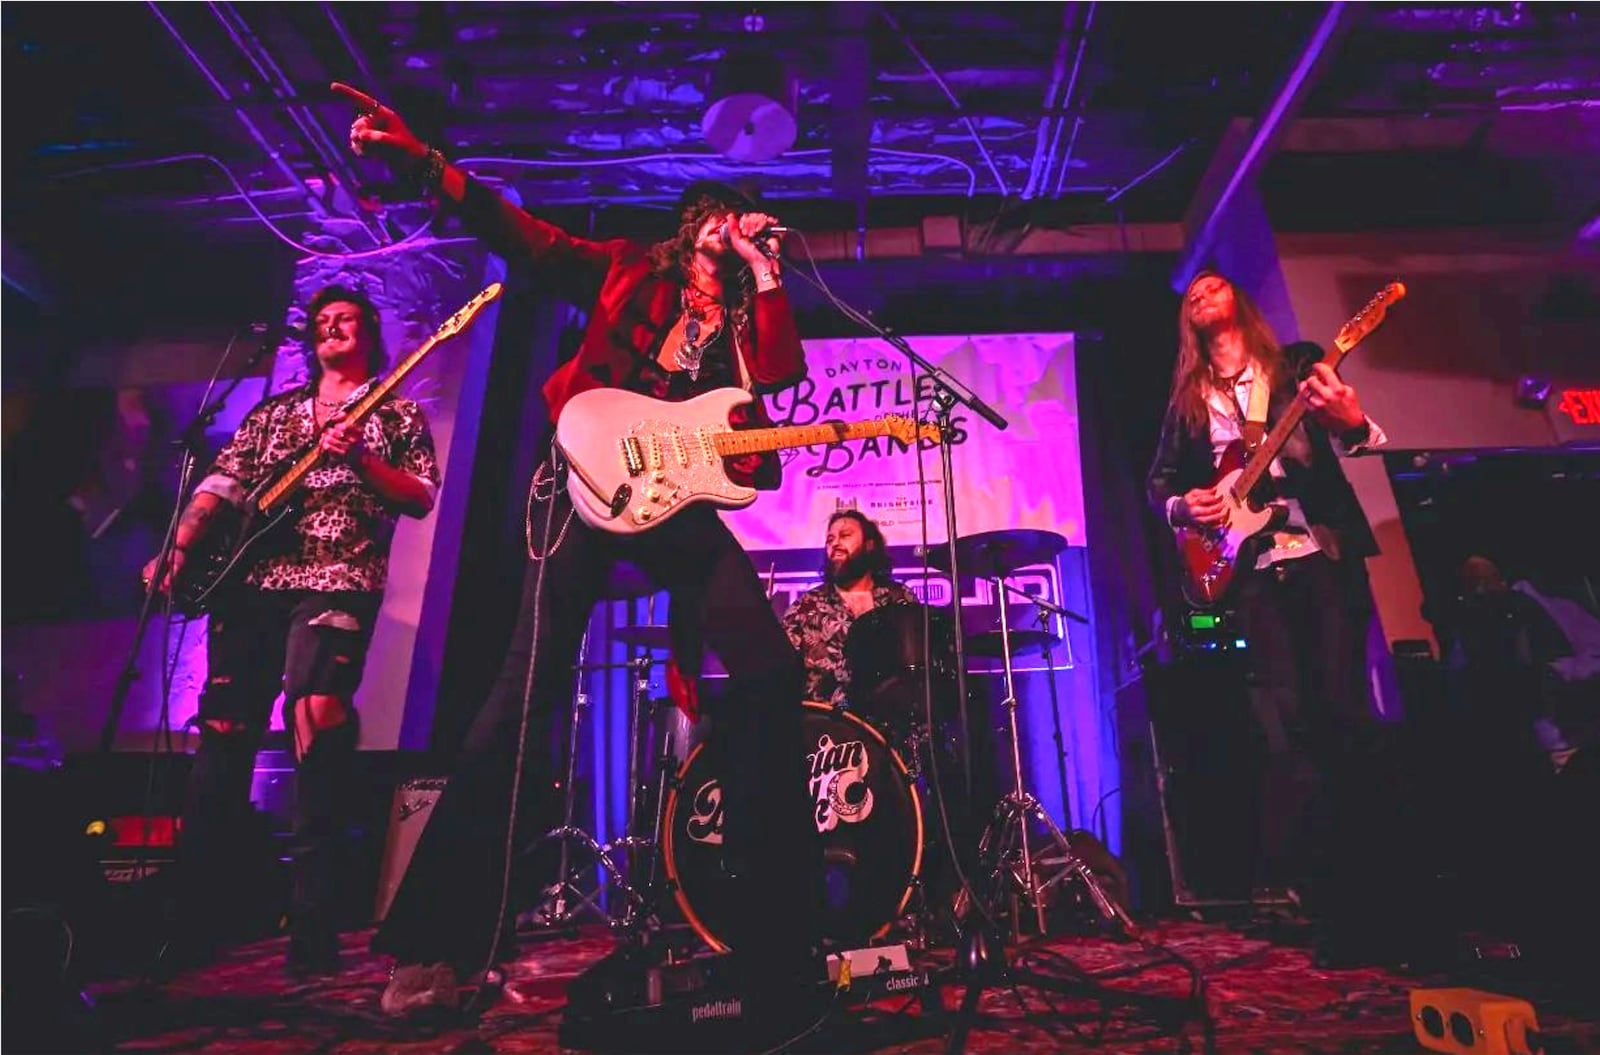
(192, 443)
(981, 961)
(947, 393)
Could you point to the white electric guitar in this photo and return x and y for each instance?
(634, 461)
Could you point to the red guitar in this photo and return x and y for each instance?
(1209, 553)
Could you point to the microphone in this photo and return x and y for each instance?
(759, 238)
(278, 329)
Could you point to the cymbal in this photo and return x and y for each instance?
(996, 554)
(645, 636)
(990, 644)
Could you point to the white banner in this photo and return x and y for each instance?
(1027, 476)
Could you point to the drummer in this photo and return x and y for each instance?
(855, 568)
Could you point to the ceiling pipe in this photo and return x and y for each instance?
(1058, 73)
(1264, 137)
(328, 156)
(1077, 120)
(972, 129)
(369, 83)
(255, 132)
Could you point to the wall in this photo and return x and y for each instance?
(1482, 308)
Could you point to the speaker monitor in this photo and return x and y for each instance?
(1473, 1022)
(413, 805)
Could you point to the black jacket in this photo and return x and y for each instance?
(1313, 476)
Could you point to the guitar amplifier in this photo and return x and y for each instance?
(1190, 760)
(413, 805)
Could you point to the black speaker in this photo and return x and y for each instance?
(1191, 764)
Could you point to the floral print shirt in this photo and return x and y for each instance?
(817, 625)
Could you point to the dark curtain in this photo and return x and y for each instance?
(1123, 374)
(533, 333)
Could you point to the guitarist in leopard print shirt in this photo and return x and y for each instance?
(300, 620)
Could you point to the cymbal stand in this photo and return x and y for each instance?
(1008, 830)
(641, 725)
(565, 898)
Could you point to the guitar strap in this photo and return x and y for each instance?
(738, 355)
(1255, 419)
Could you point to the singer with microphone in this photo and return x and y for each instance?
(298, 622)
(702, 309)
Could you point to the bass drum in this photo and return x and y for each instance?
(866, 814)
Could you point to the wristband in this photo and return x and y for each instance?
(431, 172)
(1360, 434)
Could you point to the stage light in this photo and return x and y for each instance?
(1473, 1022)
(1532, 392)
(754, 101)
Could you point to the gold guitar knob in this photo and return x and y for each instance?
(641, 515)
(652, 493)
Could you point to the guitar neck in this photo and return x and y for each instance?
(1261, 458)
(279, 492)
(756, 441)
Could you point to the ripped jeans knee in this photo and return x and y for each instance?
(326, 653)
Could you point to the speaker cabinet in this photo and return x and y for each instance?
(413, 805)
(1191, 763)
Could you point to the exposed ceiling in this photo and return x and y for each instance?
(1069, 113)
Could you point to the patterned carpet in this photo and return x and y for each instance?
(1261, 996)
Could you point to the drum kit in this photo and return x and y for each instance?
(874, 767)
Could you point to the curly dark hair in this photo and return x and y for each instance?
(670, 257)
(874, 555)
(371, 323)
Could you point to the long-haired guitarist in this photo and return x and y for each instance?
(703, 309)
(300, 616)
(1301, 595)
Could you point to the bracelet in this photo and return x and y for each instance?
(432, 171)
(1359, 434)
(766, 277)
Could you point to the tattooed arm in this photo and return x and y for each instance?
(191, 529)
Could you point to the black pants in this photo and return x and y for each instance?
(260, 643)
(1306, 622)
(451, 906)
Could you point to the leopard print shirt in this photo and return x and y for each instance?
(341, 538)
(818, 623)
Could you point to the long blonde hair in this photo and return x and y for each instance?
(1191, 375)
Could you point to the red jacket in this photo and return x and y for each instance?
(631, 307)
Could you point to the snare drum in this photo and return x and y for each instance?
(867, 816)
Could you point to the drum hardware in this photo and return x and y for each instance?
(568, 897)
(565, 898)
(1006, 843)
(1043, 609)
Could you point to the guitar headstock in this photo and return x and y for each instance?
(467, 312)
(1370, 317)
(910, 430)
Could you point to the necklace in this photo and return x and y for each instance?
(691, 352)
